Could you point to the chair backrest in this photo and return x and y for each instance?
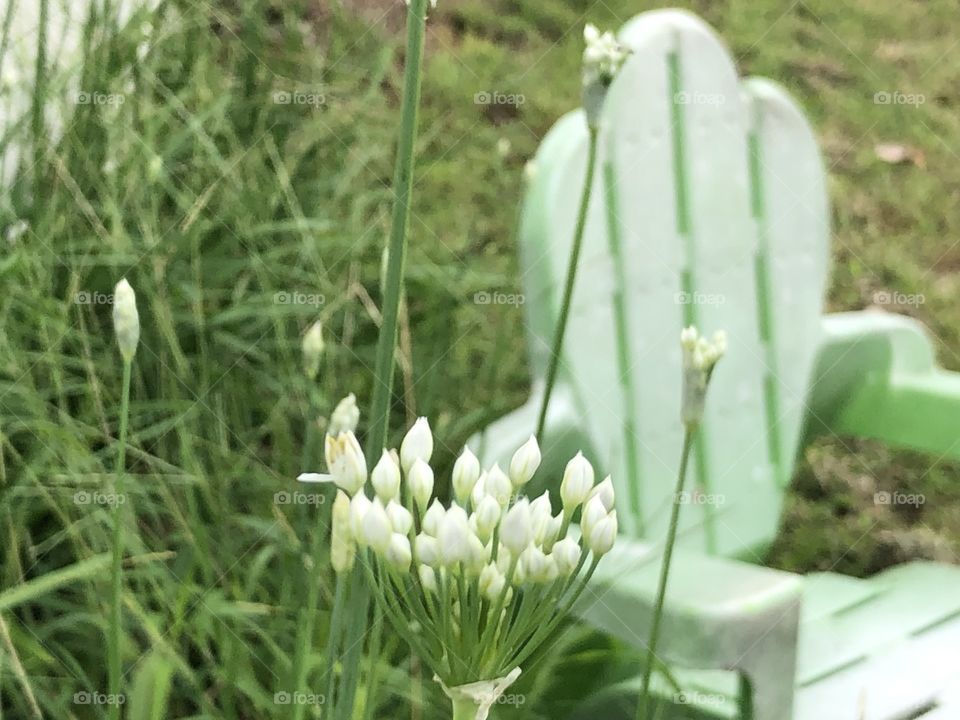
(709, 208)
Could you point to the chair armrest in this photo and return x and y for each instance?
(719, 615)
(877, 377)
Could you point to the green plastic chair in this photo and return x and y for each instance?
(710, 208)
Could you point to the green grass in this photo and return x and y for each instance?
(212, 199)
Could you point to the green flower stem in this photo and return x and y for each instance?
(113, 647)
(642, 714)
(336, 623)
(392, 292)
(574, 261)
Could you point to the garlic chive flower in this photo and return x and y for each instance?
(699, 358)
(126, 319)
(603, 57)
(345, 416)
(312, 348)
(450, 578)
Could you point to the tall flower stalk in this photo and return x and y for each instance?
(126, 323)
(477, 586)
(602, 58)
(700, 356)
(387, 340)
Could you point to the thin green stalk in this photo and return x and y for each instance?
(392, 292)
(113, 646)
(568, 287)
(336, 622)
(689, 432)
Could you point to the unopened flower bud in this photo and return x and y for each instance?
(400, 518)
(385, 478)
(417, 444)
(428, 578)
(497, 485)
(398, 554)
(606, 493)
(126, 319)
(699, 358)
(603, 535)
(541, 515)
(420, 481)
(432, 518)
(515, 530)
(534, 563)
(566, 553)
(479, 490)
(486, 517)
(593, 512)
(491, 582)
(376, 527)
(577, 482)
(466, 471)
(345, 416)
(342, 545)
(312, 347)
(524, 463)
(359, 505)
(476, 554)
(427, 550)
(454, 536)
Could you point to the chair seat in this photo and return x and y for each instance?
(884, 648)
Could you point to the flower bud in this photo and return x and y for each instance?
(126, 319)
(420, 482)
(541, 516)
(699, 357)
(534, 563)
(432, 519)
(552, 532)
(427, 550)
(577, 482)
(313, 351)
(524, 463)
(603, 535)
(593, 512)
(428, 578)
(398, 555)
(566, 553)
(417, 444)
(345, 416)
(497, 485)
(486, 517)
(479, 491)
(386, 478)
(376, 527)
(400, 518)
(342, 546)
(454, 537)
(515, 530)
(476, 554)
(605, 492)
(346, 462)
(491, 582)
(466, 471)
(359, 505)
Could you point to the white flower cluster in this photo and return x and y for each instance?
(700, 355)
(602, 56)
(491, 565)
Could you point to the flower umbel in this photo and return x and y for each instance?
(699, 358)
(603, 57)
(478, 586)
